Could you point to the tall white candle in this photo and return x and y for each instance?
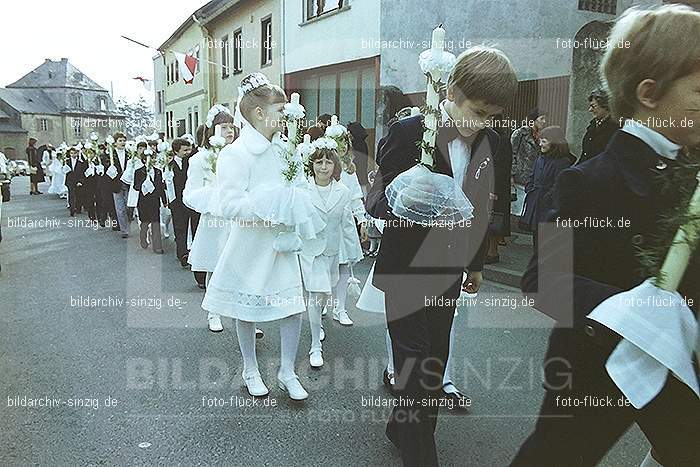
(217, 130)
(438, 40)
(415, 111)
(334, 120)
(307, 139)
(295, 98)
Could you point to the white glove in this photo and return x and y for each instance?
(66, 169)
(112, 171)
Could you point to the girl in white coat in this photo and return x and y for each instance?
(260, 187)
(320, 257)
(212, 231)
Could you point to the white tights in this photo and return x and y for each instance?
(317, 300)
(290, 328)
(340, 291)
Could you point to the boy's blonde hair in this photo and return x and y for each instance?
(485, 74)
(660, 44)
(259, 97)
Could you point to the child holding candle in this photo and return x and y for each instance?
(420, 259)
(320, 257)
(148, 181)
(350, 248)
(257, 277)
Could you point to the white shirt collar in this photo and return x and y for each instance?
(658, 142)
(178, 161)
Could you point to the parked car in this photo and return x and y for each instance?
(19, 167)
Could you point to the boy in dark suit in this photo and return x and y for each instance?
(148, 181)
(183, 217)
(635, 183)
(422, 264)
(74, 180)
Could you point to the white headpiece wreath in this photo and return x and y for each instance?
(248, 84)
(214, 111)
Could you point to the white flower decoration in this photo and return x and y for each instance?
(88, 145)
(163, 146)
(294, 111)
(336, 131)
(130, 146)
(324, 143)
(148, 151)
(217, 141)
(189, 137)
(94, 136)
(140, 139)
(304, 150)
(213, 112)
(437, 62)
(79, 146)
(109, 139)
(153, 137)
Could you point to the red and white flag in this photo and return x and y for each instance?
(188, 66)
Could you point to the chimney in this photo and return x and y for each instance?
(64, 60)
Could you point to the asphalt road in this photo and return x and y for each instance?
(139, 380)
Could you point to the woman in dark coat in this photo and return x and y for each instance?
(554, 158)
(36, 170)
(601, 128)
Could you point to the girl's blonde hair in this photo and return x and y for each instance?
(649, 44)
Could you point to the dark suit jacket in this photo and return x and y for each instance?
(179, 178)
(597, 138)
(77, 174)
(149, 205)
(117, 183)
(624, 183)
(430, 260)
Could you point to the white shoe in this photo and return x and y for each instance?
(323, 334)
(215, 323)
(316, 358)
(293, 388)
(325, 311)
(255, 385)
(342, 317)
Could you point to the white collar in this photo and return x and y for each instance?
(658, 142)
(178, 160)
(256, 142)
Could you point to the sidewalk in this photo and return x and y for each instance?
(514, 260)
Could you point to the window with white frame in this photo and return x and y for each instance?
(316, 8)
(43, 124)
(224, 57)
(266, 41)
(237, 51)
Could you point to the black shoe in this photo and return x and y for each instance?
(492, 259)
(159, 252)
(259, 334)
(116, 229)
(387, 377)
(72, 213)
(38, 193)
(144, 245)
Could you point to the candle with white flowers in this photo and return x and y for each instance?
(217, 130)
(293, 112)
(432, 98)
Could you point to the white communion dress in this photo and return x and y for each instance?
(212, 231)
(253, 281)
(58, 178)
(319, 257)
